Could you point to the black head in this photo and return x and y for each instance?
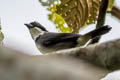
(38, 25)
(29, 26)
(35, 24)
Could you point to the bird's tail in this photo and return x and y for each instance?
(98, 32)
(93, 34)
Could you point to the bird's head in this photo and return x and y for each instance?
(36, 29)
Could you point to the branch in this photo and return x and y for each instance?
(116, 12)
(101, 18)
(106, 55)
(71, 64)
(18, 66)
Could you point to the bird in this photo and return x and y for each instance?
(48, 42)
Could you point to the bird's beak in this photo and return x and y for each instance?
(29, 26)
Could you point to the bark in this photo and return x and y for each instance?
(90, 63)
(106, 55)
(17, 66)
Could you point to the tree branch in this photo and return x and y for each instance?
(72, 64)
(18, 66)
(106, 55)
(115, 12)
(101, 18)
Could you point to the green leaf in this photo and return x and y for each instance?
(0, 27)
(1, 36)
(78, 13)
(59, 21)
(75, 13)
(110, 5)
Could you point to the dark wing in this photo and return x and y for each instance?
(49, 39)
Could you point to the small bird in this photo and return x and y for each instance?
(48, 42)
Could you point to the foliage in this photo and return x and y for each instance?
(111, 2)
(1, 36)
(58, 20)
(76, 13)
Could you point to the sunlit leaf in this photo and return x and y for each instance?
(111, 2)
(59, 21)
(78, 13)
(75, 13)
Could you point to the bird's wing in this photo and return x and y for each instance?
(55, 38)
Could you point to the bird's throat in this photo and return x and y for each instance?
(36, 33)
